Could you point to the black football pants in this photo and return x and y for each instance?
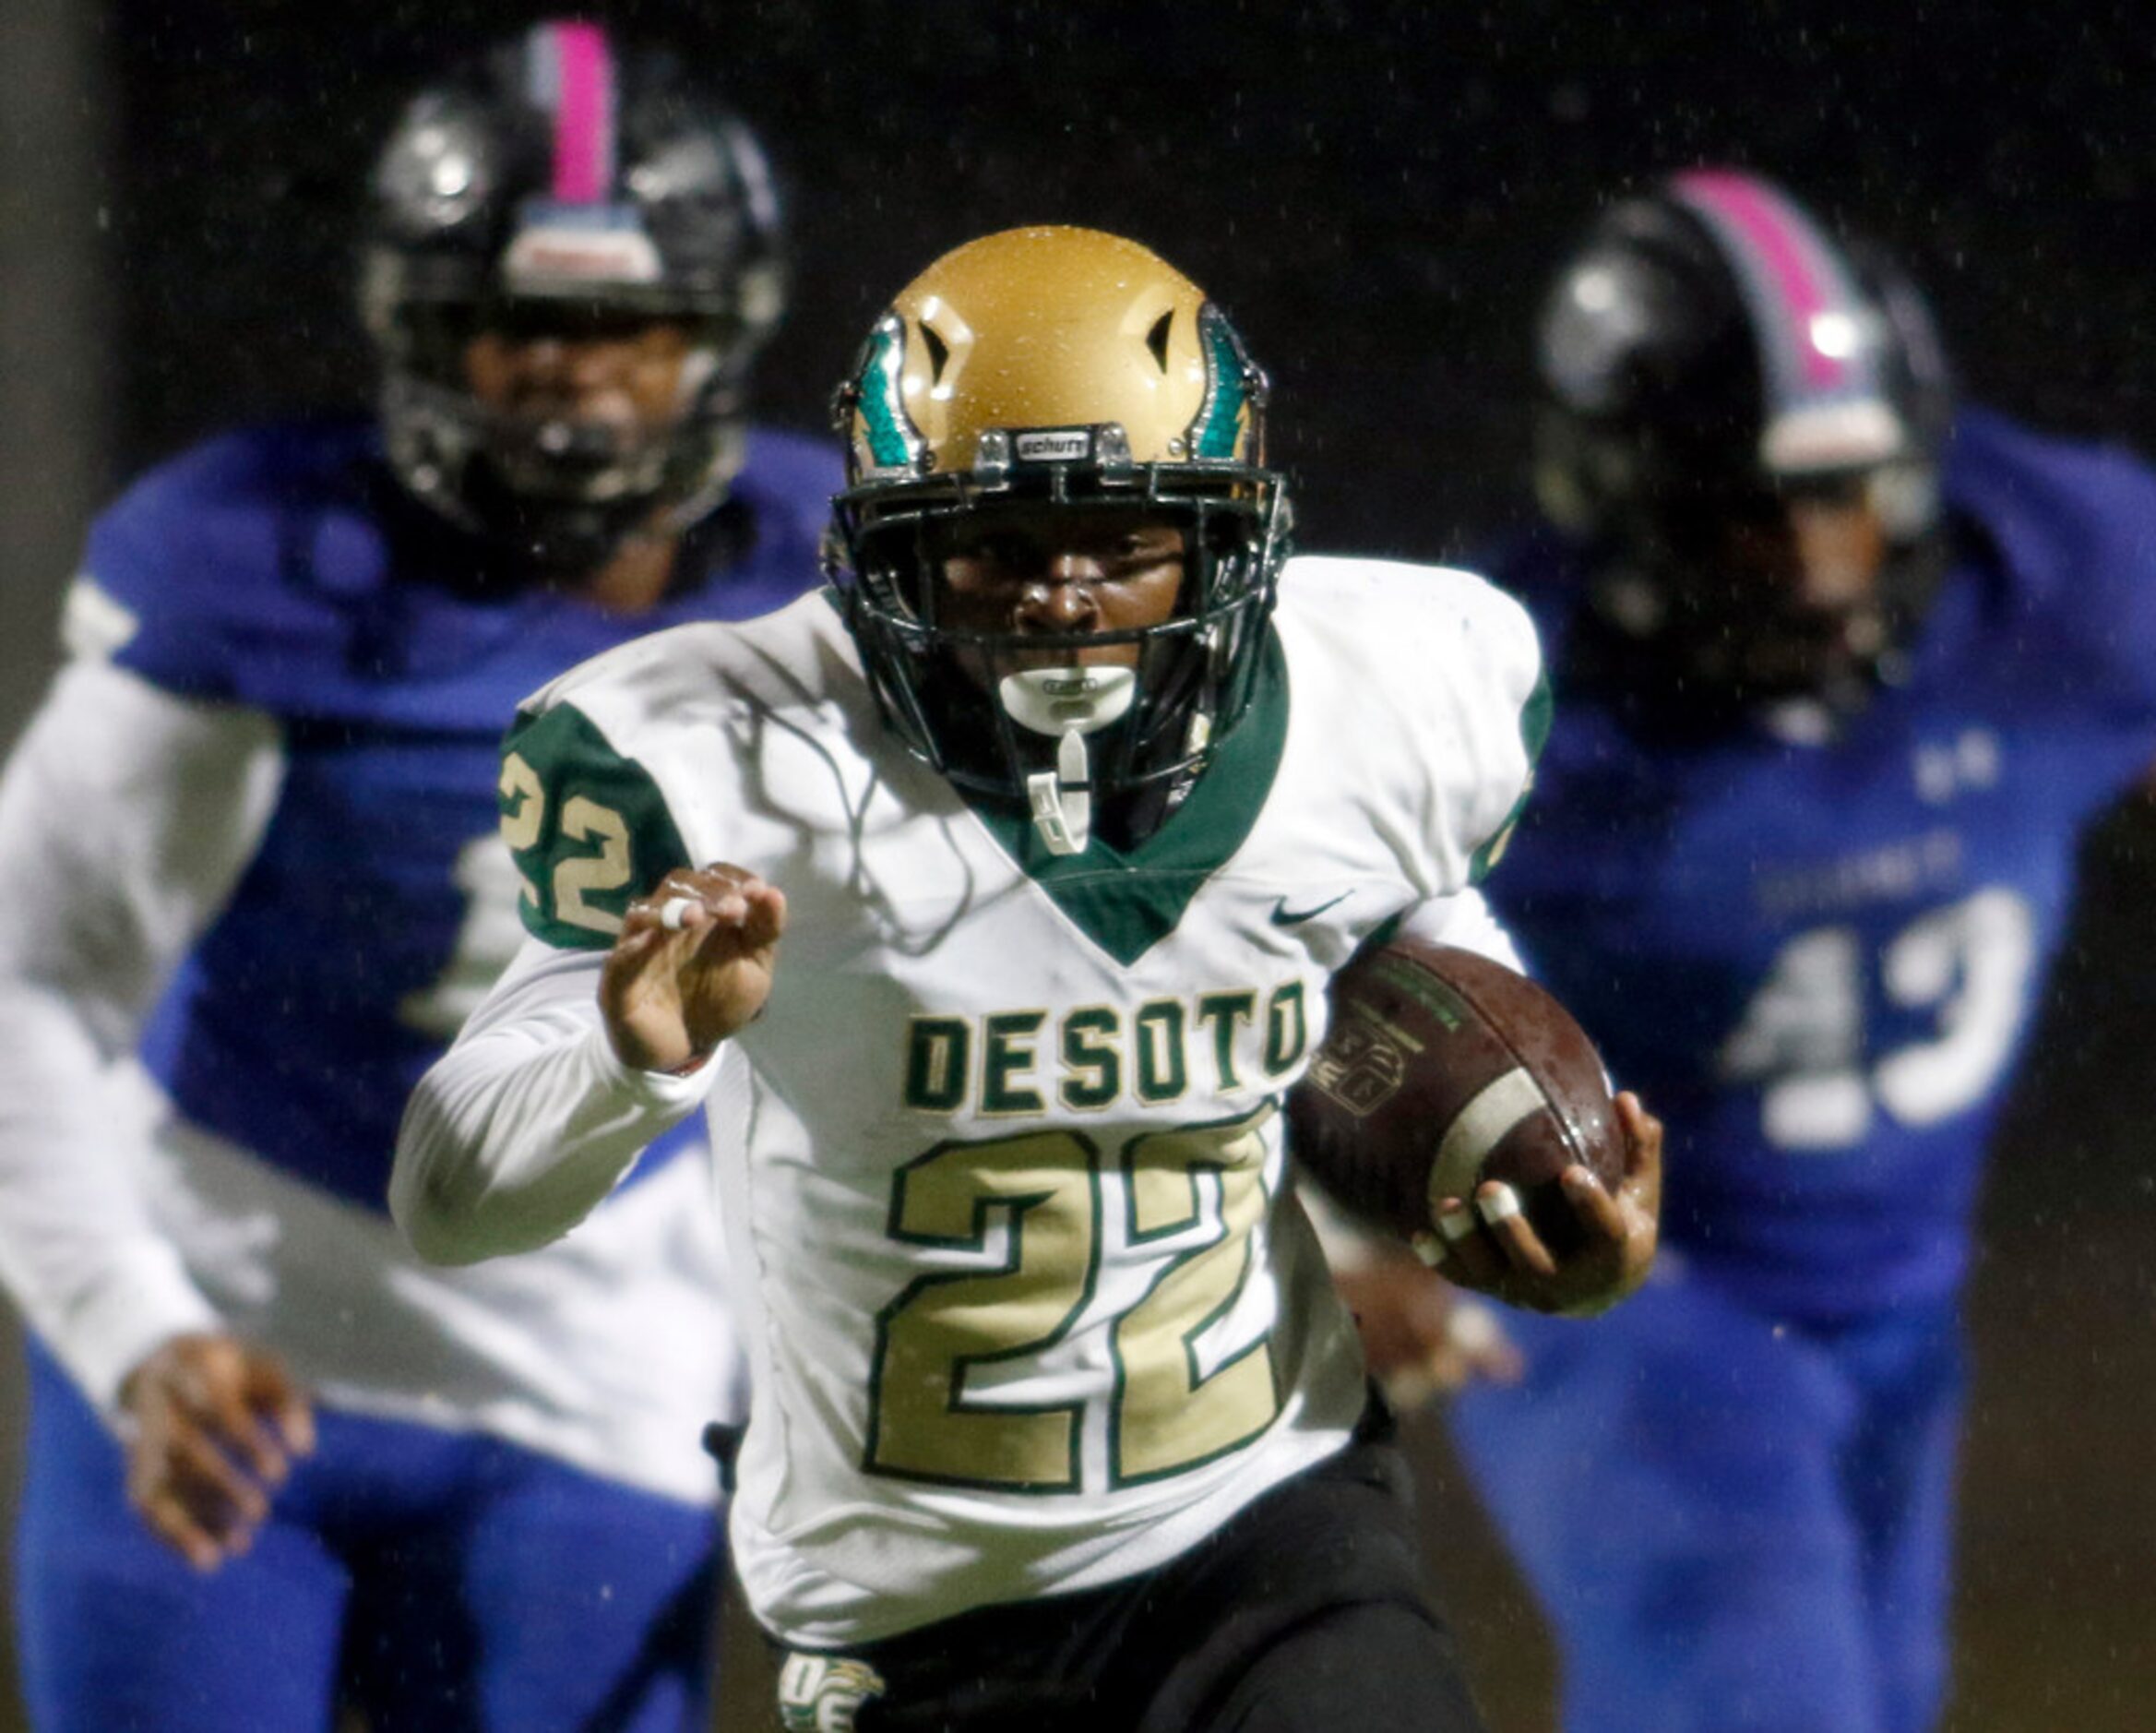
(1306, 1613)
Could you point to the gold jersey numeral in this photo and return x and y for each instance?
(578, 876)
(1038, 1199)
(953, 1343)
(1174, 1411)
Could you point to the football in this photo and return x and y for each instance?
(1442, 1069)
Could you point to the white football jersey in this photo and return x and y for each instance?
(1031, 1306)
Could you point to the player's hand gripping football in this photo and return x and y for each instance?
(1487, 1243)
(692, 966)
(213, 1423)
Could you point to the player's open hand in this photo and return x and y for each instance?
(213, 1426)
(1489, 1245)
(693, 965)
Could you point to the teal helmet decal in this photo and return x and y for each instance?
(1229, 373)
(894, 443)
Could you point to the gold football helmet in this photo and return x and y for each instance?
(1064, 370)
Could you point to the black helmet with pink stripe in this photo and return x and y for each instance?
(1714, 364)
(559, 182)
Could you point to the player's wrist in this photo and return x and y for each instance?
(656, 1075)
(632, 1052)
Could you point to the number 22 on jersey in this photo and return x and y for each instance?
(1029, 1222)
(1803, 1037)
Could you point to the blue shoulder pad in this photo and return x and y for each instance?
(2074, 525)
(182, 577)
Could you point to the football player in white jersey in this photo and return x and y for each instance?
(1065, 825)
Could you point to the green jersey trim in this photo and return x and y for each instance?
(1127, 901)
(588, 827)
(1534, 733)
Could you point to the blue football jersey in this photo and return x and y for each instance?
(285, 569)
(1818, 962)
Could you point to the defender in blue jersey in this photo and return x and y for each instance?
(1839, 677)
(254, 886)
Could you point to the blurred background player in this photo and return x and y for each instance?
(250, 840)
(1840, 675)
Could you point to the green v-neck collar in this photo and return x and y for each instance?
(1126, 900)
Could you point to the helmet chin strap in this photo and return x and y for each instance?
(1068, 703)
(1062, 799)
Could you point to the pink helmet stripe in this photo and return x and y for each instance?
(583, 113)
(1793, 257)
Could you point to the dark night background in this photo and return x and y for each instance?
(1376, 192)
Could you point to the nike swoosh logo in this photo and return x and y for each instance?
(1282, 917)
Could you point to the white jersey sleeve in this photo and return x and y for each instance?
(126, 816)
(1432, 679)
(1467, 920)
(528, 1121)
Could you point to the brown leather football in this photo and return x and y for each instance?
(1441, 1069)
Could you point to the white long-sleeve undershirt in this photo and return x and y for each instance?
(522, 1129)
(126, 817)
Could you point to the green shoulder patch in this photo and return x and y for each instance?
(588, 827)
